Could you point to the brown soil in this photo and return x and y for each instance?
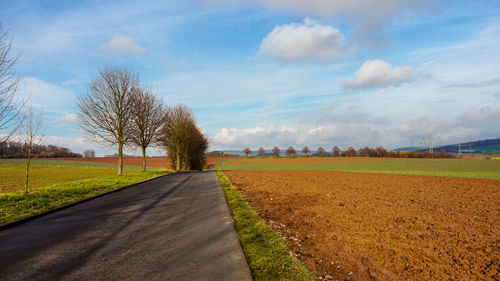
(359, 226)
(137, 161)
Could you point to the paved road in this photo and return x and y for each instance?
(174, 228)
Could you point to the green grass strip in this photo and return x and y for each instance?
(16, 205)
(461, 168)
(266, 251)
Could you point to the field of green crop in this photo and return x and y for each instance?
(65, 163)
(48, 172)
(468, 168)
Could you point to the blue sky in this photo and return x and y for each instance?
(276, 72)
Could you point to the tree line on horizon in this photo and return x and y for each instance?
(352, 152)
(16, 149)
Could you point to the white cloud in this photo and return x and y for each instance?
(309, 40)
(368, 18)
(123, 44)
(252, 136)
(70, 117)
(378, 73)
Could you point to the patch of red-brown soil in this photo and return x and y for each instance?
(360, 226)
(137, 161)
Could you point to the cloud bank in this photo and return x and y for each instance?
(302, 41)
(469, 125)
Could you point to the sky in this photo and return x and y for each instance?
(273, 72)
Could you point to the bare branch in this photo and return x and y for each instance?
(185, 143)
(10, 103)
(148, 117)
(31, 134)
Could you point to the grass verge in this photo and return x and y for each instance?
(266, 252)
(17, 205)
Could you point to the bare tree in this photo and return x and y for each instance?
(290, 152)
(30, 134)
(186, 145)
(10, 104)
(89, 153)
(351, 152)
(149, 114)
(306, 150)
(105, 113)
(261, 151)
(247, 151)
(336, 151)
(321, 151)
(276, 151)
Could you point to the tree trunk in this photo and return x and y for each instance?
(177, 163)
(120, 159)
(144, 159)
(28, 162)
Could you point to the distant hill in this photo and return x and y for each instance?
(488, 146)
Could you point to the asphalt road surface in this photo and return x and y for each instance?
(176, 227)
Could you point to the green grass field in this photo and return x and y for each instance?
(48, 172)
(468, 168)
(66, 163)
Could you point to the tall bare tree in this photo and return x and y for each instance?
(321, 151)
(276, 151)
(105, 113)
(30, 134)
(247, 151)
(10, 104)
(149, 115)
(186, 145)
(89, 153)
(177, 122)
(306, 150)
(291, 152)
(336, 151)
(261, 151)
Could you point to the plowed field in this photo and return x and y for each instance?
(363, 226)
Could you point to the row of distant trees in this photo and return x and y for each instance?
(14, 149)
(352, 152)
(120, 110)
